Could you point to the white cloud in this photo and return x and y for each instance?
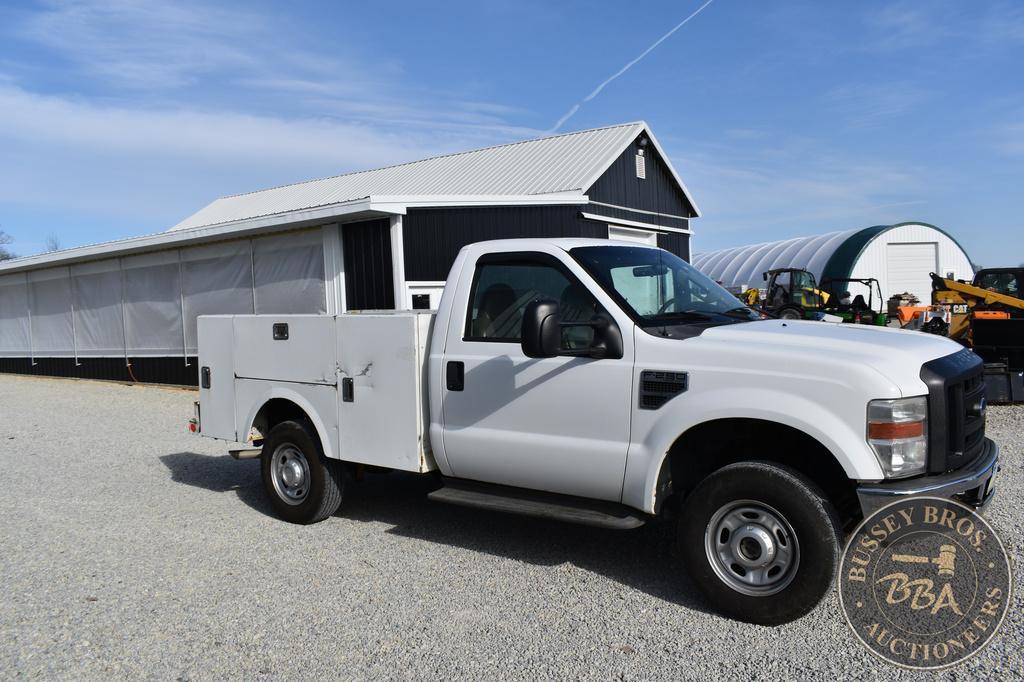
(146, 44)
(967, 29)
(194, 54)
(187, 133)
(907, 24)
(189, 100)
(866, 105)
(159, 165)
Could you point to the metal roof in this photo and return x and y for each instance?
(357, 210)
(552, 170)
(745, 264)
(833, 254)
(566, 164)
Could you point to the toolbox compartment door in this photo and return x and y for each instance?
(295, 348)
(217, 377)
(380, 399)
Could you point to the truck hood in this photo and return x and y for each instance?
(896, 354)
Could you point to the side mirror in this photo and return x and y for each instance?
(542, 333)
(541, 330)
(764, 275)
(607, 337)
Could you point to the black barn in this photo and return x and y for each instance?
(378, 239)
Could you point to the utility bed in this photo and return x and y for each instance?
(361, 374)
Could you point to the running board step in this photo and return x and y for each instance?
(540, 504)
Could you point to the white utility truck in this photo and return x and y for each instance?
(608, 383)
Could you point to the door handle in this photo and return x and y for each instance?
(455, 375)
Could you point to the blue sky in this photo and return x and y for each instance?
(784, 118)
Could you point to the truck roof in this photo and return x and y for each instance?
(565, 243)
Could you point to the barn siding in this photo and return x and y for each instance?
(147, 370)
(675, 242)
(433, 236)
(369, 284)
(659, 192)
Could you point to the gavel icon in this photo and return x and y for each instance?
(946, 560)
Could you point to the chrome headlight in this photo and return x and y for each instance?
(898, 433)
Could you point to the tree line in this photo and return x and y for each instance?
(5, 239)
(52, 244)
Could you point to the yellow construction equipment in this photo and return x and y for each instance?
(966, 301)
(987, 316)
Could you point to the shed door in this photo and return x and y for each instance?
(907, 267)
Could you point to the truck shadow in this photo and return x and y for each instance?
(640, 559)
(220, 474)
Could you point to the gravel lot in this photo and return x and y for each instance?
(131, 548)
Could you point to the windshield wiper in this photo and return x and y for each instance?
(680, 315)
(736, 312)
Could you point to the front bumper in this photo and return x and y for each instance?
(971, 485)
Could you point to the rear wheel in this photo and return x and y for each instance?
(791, 313)
(304, 486)
(761, 541)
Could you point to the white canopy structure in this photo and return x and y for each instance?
(899, 256)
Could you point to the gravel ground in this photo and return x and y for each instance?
(132, 549)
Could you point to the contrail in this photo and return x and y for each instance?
(624, 69)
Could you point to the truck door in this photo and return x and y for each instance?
(557, 424)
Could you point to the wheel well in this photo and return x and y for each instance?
(712, 445)
(275, 411)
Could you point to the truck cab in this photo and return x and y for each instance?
(610, 383)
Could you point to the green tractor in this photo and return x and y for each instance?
(846, 299)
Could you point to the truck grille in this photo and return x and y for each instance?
(966, 422)
(956, 419)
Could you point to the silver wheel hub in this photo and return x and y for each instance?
(752, 548)
(289, 472)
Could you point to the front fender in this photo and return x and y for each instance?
(841, 438)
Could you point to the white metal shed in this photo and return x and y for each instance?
(899, 256)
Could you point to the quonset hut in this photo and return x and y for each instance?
(377, 239)
(899, 256)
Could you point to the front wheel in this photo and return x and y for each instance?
(304, 486)
(761, 542)
(790, 313)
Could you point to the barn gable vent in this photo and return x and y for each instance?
(641, 165)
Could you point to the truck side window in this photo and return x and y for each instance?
(501, 291)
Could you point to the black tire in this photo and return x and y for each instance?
(790, 313)
(322, 484)
(801, 505)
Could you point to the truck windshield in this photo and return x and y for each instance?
(659, 288)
